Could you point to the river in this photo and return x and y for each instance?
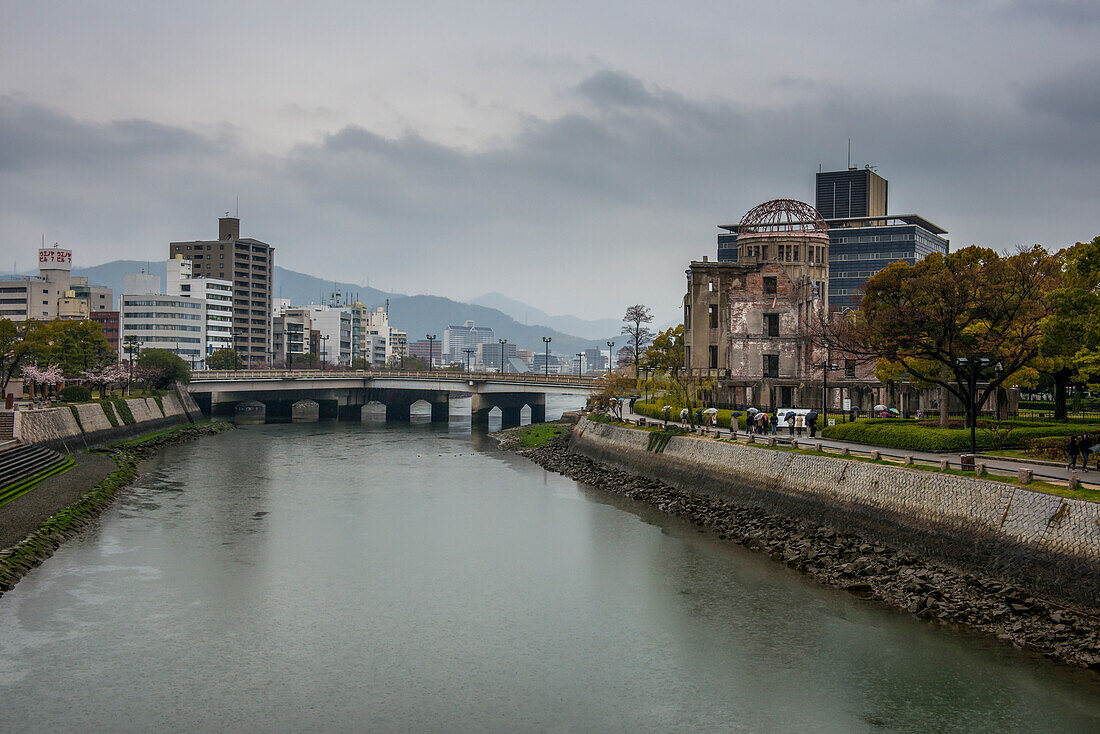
(336, 577)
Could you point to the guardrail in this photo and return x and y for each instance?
(524, 377)
(1021, 474)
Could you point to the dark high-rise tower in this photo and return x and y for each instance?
(250, 265)
(857, 192)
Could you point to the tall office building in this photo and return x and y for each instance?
(857, 192)
(250, 265)
(863, 238)
(458, 339)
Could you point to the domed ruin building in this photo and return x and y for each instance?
(746, 323)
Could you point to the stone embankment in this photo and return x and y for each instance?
(55, 530)
(866, 567)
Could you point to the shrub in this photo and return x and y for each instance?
(908, 435)
(75, 394)
(109, 411)
(653, 409)
(124, 411)
(76, 417)
(160, 404)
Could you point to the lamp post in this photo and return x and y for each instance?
(546, 364)
(502, 343)
(131, 345)
(580, 356)
(431, 347)
(826, 368)
(469, 353)
(972, 367)
(610, 346)
(324, 350)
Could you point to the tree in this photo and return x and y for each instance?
(667, 351)
(224, 359)
(78, 345)
(945, 316)
(360, 363)
(309, 359)
(18, 343)
(1071, 333)
(167, 365)
(638, 334)
(416, 364)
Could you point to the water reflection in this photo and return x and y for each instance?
(414, 577)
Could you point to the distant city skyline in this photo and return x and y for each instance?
(554, 154)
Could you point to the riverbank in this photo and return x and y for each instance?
(869, 568)
(81, 494)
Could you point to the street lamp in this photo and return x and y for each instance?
(469, 353)
(131, 345)
(826, 368)
(580, 356)
(502, 343)
(610, 346)
(324, 350)
(546, 364)
(431, 346)
(972, 367)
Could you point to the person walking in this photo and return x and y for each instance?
(1071, 449)
(1084, 445)
(799, 424)
(790, 425)
(812, 421)
(775, 422)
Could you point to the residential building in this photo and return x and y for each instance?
(167, 322)
(53, 293)
(334, 328)
(249, 265)
(457, 339)
(539, 362)
(373, 338)
(109, 321)
(216, 294)
(291, 333)
(423, 348)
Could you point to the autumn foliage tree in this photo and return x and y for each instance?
(637, 332)
(937, 318)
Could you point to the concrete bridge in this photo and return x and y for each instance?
(302, 395)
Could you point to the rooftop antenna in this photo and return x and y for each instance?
(238, 214)
(849, 154)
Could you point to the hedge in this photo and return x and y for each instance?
(75, 394)
(124, 411)
(652, 409)
(908, 435)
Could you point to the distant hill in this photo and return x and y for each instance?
(599, 329)
(416, 315)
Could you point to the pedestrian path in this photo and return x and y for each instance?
(1001, 465)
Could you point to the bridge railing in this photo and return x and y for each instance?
(523, 377)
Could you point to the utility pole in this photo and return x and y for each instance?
(469, 353)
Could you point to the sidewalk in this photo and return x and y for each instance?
(998, 464)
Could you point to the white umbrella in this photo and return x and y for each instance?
(711, 410)
(753, 410)
(880, 407)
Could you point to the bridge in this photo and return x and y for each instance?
(256, 395)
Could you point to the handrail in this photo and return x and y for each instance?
(522, 377)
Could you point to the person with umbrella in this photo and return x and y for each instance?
(712, 415)
(774, 421)
(684, 417)
(811, 421)
(790, 423)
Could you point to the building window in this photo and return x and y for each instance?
(712, 311)
(771, 324)
(850, 368)
(770, 286)
(713, 357)
(687, 316)
(771, 365)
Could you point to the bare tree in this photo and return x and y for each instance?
(638, 334)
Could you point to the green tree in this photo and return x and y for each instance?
(937, 318)
(224, 359)
(78, 346)
(19, 343)
(638, 334)
(167, 365)
(667, 351)
(305, 361)
(1071, 333)
(360, 363)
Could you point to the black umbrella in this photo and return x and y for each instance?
(735, 413)
(812, 415)
(790, 414)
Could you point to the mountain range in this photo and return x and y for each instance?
(417, 315)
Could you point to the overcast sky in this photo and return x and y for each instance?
(570, 156)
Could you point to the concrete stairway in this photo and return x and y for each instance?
(7, 425)
(22, 462)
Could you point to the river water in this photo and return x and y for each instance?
(416, 578)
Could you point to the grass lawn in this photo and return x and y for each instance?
(540, 434)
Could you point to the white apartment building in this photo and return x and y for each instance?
(159, 321)
(457, 339)
(216, 294)
(333, 327)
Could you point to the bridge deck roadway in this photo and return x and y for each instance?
(268, 381)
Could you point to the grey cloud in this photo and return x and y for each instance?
(1072, 95)
(615, 88)
(1065, 12)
